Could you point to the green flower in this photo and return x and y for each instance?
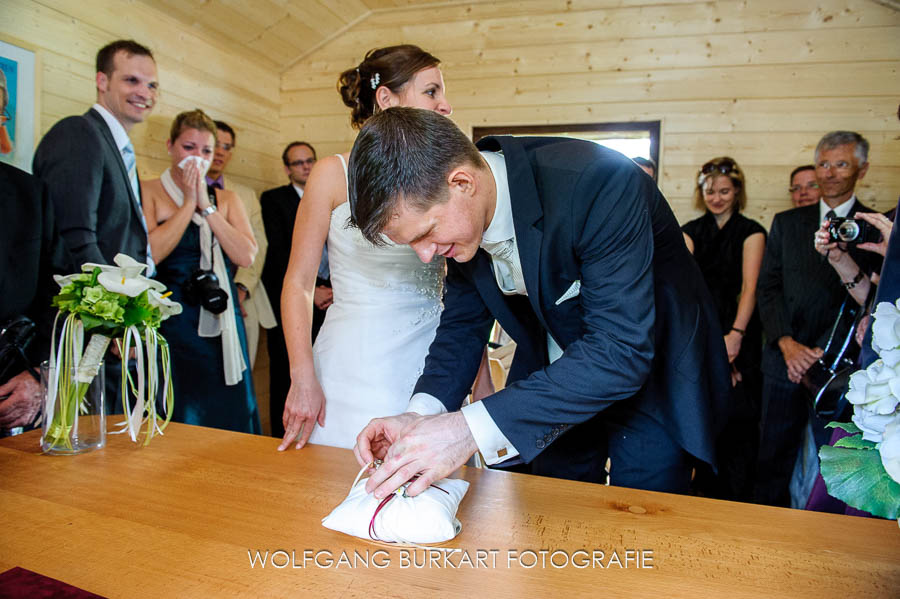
(109, 310)
(94, 294)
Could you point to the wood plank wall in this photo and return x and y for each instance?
(195, 71)
(758, 80)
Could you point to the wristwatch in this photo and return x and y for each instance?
(208, 210)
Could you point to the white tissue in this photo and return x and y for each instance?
(202, 163)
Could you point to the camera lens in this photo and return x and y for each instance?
(848, 231)
(203, 288)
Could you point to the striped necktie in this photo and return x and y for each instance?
(507, 268)
(131, 166)
(130, 161)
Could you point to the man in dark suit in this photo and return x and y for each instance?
(579, 257)
(34, 254)
(88, 163)
(279, 210)
(799, 297)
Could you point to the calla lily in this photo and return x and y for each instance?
(122, 261)
(166, 306)
(62, 281)
(125, 277)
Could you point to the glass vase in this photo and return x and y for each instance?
(74, 419)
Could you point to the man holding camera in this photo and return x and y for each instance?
(799, 297)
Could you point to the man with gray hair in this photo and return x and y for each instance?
(799, 296)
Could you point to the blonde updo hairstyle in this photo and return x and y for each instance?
(391, 67)
(192, 119)
(723, 166)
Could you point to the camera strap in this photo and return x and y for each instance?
(211, 192)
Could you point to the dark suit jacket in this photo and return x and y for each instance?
(30, 254)
(642, 334)
(279, 211)
(97, 213)
(799, 293)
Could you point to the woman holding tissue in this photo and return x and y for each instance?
(199, 236)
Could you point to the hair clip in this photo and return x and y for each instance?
(375, 80)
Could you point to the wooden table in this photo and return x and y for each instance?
(183, 516)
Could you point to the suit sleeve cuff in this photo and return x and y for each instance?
(425, 404)
(492, 443)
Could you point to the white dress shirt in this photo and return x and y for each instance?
(120, 136)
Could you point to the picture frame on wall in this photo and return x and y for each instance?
(18, 103)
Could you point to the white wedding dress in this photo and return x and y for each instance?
(371, 348)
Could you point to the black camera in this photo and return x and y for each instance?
(202, 287)
(852, 231)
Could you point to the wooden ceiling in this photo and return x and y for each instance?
(276, 33)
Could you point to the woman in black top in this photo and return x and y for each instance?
(729, 249)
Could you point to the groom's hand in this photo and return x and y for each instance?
(373, 442)
(430, 446)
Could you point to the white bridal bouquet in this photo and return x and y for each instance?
(863, 469)
(110, 303)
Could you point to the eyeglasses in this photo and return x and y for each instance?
(308, 161)
(796, 188)
(723, 166)
(840, 165)
(226, 147)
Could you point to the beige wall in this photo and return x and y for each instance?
(761, 81)
(194, 72)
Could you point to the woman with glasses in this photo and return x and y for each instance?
(729, 250)
(199, 235)
(386, 304)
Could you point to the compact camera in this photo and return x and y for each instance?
(852, 231)
(202, 287)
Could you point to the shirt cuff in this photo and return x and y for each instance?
(492, 443)
(425, 405)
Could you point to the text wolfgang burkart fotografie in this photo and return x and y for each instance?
(597, 559)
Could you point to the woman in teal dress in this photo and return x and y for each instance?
(194, 231)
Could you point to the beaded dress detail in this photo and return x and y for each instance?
(371, 348)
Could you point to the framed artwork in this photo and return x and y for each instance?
(18, 105)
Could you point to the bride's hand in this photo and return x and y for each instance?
(305, 405)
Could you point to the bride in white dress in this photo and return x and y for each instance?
(372, 346)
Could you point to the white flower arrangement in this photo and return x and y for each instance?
(863, 469)
(110, 302)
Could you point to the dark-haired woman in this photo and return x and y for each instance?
(188, 232)
(372, 346)
(729, 249)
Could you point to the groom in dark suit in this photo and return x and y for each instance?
(89, 166)
(579, 257)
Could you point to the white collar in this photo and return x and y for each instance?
(298, 189)
(842, 210)
(501, 227)
(120, 136)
